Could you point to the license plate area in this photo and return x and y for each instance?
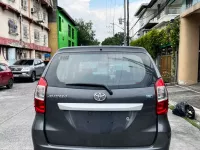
(100, 122)
(16, 75)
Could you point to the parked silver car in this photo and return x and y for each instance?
(28, 68)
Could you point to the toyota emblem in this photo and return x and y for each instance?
(100, 97)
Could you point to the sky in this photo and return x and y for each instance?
(102, 13)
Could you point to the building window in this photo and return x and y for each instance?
(189, 3)
(37, 35)
(158, 16)
(45, 39)
(69, 43)
(36, 6)
(12, 27)
(25, 32)
(44, 15)
(72, 43)
(69, 30)
(60, 25)
(24, 4)
(11, 1)
(72, 33)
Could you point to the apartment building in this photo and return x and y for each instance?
(152, 15)
(24, 29)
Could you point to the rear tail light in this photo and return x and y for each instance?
(162, 97)
(40, 93)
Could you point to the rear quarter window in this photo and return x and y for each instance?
(116, 70)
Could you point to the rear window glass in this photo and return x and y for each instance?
(116, 70)
(24, 62)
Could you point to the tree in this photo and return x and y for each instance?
(116, 40)
(155, 39)
(86, 35)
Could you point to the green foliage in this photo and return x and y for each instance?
(86, 35)
(116, 40)
(155, 39)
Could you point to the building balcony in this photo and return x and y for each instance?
(166, 18)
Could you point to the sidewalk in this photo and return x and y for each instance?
(189, 94)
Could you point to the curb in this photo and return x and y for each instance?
(197, 111)
(171, 83)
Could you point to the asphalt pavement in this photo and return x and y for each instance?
(17, 114)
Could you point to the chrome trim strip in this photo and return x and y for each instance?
(101, 107)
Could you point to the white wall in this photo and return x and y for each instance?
(15, 4)
(39, 13)
(4, 31)
(27, 24)
(42, 33)
(146, 17)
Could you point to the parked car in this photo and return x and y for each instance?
(28, 68)
(6, 76)
(101, 98)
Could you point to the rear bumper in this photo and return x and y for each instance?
(162, 141)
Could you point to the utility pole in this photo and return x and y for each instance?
(127, 22)
(113, 25)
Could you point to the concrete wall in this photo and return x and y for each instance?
(189, 50)
(53, 37)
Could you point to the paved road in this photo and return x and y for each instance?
(17, 114)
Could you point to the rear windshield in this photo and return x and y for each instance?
(116, 70)
(24, 62)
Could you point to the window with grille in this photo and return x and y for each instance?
(44, 15)
(72, 33)
(60, 26)
(25, 31)
(11, 1)
(69, 30)
(69, 43)
(45, 39)
(12, 26)
(37, 35)
(24, 4)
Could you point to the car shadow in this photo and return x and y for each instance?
(18, 81)
(3, 88)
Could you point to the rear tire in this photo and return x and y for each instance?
(33, 77)
(10, 84)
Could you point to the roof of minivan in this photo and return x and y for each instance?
(103, 48)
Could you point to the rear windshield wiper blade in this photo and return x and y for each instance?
(92, 85)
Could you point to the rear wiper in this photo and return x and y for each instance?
(92, 85)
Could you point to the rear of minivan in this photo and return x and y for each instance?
(101, 98)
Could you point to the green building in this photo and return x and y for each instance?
(63, 31)
(67, 32)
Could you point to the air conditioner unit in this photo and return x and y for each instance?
(32, 10)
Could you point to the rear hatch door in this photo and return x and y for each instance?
(91, 116)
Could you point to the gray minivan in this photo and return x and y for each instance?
(101, 98)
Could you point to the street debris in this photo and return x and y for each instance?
(183, 109)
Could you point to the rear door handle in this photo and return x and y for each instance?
(101, 107)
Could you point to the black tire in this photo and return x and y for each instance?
(10, 84)
(33, 77)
